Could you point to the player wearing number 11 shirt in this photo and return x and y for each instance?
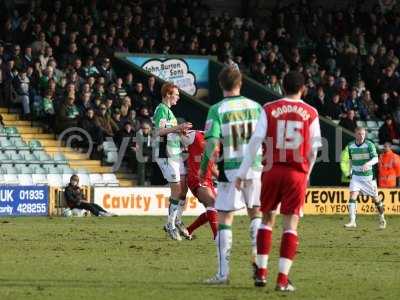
(291, 133)
(230, 124)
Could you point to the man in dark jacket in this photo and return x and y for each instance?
(75, 199)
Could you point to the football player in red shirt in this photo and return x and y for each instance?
(204, 191)
(291, 132)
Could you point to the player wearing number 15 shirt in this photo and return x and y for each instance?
(291, 134)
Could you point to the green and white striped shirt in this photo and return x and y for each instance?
(170, 145)
(233, 121)
(359, 155)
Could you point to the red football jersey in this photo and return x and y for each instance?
(195, 151)
(292, 130)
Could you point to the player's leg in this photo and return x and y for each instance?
(207, 198)
(352, 206)
(371, 189)
(264, 245)
(291, 206)
(289, 244)
(223, 242)
(182, 203)
(251, 193)
(227, 201)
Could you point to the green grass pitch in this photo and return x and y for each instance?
(131, 258)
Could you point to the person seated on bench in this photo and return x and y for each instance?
(75, 199)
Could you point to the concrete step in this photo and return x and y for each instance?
(17, 123)
(39, 136)
(84, 163)
(29, 129)
(10, 117)
(126, 183)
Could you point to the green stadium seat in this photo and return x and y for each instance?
(3, 132)
(25, 170)
(37, 169)
(372, 124)
(66, 169)
(30, 158)
(361, 123)
(17, 158)
(11, 178)
(11, 170)
(110, 157)
(39, 178)
(4, 158)
(53, 170)
(6, 145)
(55, 180)
(35, 145)
(20, 145)
(380, 123)
(60, 159)
(336, 121)
(12, 132)
(110, 179)
(43, 158)
(109, 146)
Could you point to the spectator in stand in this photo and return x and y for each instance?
(105, 123)
(144, 153)
(274, 85)
(385, 107)
(388, 168)
(349, 122)
(334, 109)
(152, 91)
(143, 115)
(121, 92)
(21, 85)
(371, 108)
(140, 99)
(88, 124)
(343, 89)
(126, 135)
(106, 71)
(68, 114)
(116, 117)
(48, 109)
(89, 69)
(353, 102)
(85, 103)
(389, 132)
(320, 102)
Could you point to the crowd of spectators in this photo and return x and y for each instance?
(56, 59)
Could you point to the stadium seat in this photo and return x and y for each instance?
(25, 179)
(19, 144)
(11, 179)
(336, 121)
(60, 159)
(17, 158)
(35, 145)
(66, 169)
(53, 170)
(361, 123)
(110, 179)
(96, 179)
(39, 179)
(43, 158)
(12, 132)
(37, 169)
(109, 146)
(372, 124)
(11, 169)
(6, 145)
(25, 170)
(30, 158)
(380, 123)
(2, 180)
(110, 157)
(4, 158)
(3, 132)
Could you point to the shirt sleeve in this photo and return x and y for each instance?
(213, 124)
(315, 134)
(160, 118)
(372, 150)
(254, 144)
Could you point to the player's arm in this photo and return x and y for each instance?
(160, 123)
(374, 157)
(254, 145)
(345, 162)
(212, 136)
(315, 141)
